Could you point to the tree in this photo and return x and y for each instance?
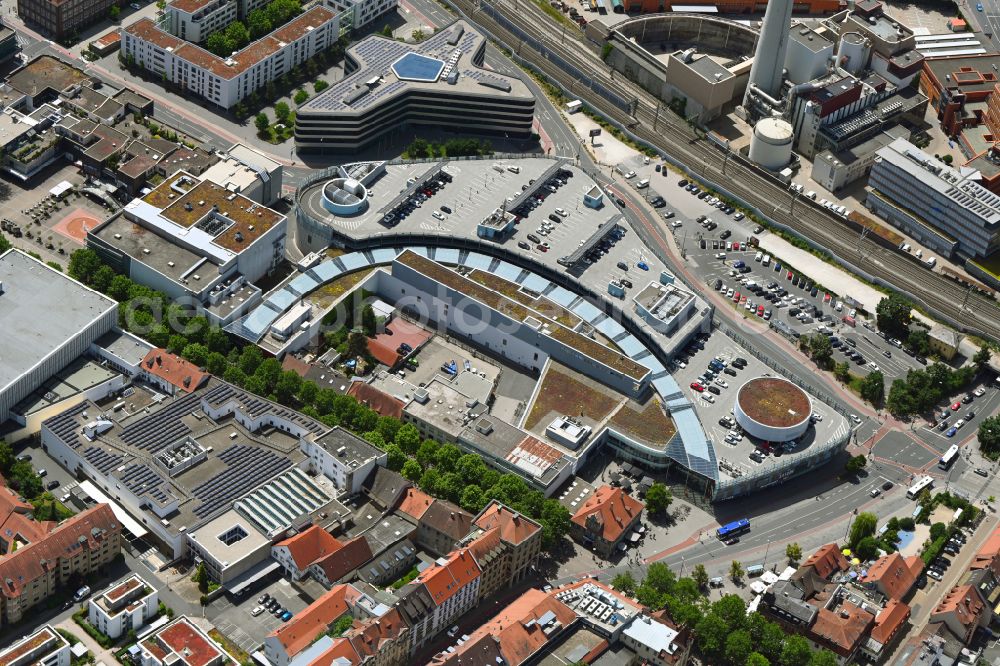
(981, 358)
(300, 96)
(101, 279)
(201, 577)
(660, 578)
(396, 457)
(429, 481)
(821, 349)
(218, 44)
(447, 457)
(196, 353)
(387, 30)
(711, 632)
(412, 470)
(320, 85)
(4, 244)
(258, 23)
(793, 552)
(873, 388)
(919, 342)
(938, 530)
(555, 520)
(823, 658)
(473, 499)
(288, 386)
(120, 288)
(237, 35)
(795, 651)
(700, 575)
(892, 315)
(308, 392)
(855, 464)
(867, 549)
(418, 148)
(282, 112)
(408, 440)
(736, 571)
(357, 344)
(757, 659)
(863, 526)
(624, 583)
(427, 453)
(989, 436)
(368, 322)
(739, 645)
(83, 264)
(842, 371)
(261, 122)
(250, 359)
(6, 457)
(658, 499)
(114, 12)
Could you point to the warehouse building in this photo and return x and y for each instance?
(440, 82)
(49, 320)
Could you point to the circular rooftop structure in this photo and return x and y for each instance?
(345, 196)
(772, 409)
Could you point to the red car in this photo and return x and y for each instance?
(789, 276)
(736, 297)
(697, 387)
(542, 248)
(826, 298)
(760, 310)
(957, 406)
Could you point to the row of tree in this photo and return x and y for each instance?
(439, 469)
(724, 632)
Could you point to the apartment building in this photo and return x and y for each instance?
(226, 81)
(182, 642)
(359, 13)
(605, 520)
(123, 607)
(440, 524)
(78, 546)
(506, 544)
(45, 647)
(439, 595)
(195, 20)
(317, 553)
(64, 18)
(343, 457)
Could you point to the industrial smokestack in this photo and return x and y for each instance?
(769, 58)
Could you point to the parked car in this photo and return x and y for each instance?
(257, 611)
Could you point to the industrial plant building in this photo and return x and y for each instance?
(946, 209)
(195, 239)
(49, 320)
(439, 82)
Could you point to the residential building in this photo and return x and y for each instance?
(283, 644)
(946, 209)
(439, 82)
(63, 18)
(193, 239)
(195, 20)
(171, 373)
(343, 457)
(123, 607)
(440, 524)
(18, 526)
(893, 575)
(317, 553)
(53, 319)
(889, 625)
(45, 647)
(655, 641)
(382, 640)
(438, 596)
(962, 611)
(78, 546)
(359, 13)
(944, 341)
(520, 633)
(226, 81)
(605, 520)
(506, 544)
(183, 643)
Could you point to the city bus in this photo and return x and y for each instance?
(922, 483)
(949, 457)
(732, 529)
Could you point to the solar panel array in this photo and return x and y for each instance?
(65, 426)
(143, 481)
(103, 461)
(162, 428)
(487, 80)
(246, 467)
(255, 407)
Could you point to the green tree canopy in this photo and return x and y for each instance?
(989, 436)
(892, 315)
(658, 499)
(864, 525)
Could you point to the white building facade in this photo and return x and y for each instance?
(45, 647)
(123, 607)
(359, 13)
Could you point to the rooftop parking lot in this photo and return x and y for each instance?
(734, 454)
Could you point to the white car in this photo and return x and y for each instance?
(729, 293)
(856, 418)
(682, 364)
(979, 392)
(722, 382)
(958, 424)
(561, 213)
(630, 174)
(853, 313)
(257, 611)
(840, 306)
(677, 224)
(708, 397)
(453, 631)
(873, 366)
(438, 214)
(817, 417)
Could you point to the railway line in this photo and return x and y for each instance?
(659, 127)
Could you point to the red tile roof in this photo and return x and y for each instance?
(889, 621)
(383, 403)
(894, 575)
(16, 521)
(827, 560)
(340, 649)
(516, 627)
(989, 553)
(310, 545)
(299, 632)
(515, 528)
(442, 581)
(88, 528)
(384, 345)
(614, 509)
(190, 6)
(174, 370)
(485, 544)
(181, 638)
(415, 503)
(844, 628)
(964, 603)
(371, 635)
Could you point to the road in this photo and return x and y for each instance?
(669, 133)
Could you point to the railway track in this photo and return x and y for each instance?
(661, 128)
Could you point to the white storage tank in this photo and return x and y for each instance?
(854, 51)
(771, 144)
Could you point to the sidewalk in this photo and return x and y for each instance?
(100, 654)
